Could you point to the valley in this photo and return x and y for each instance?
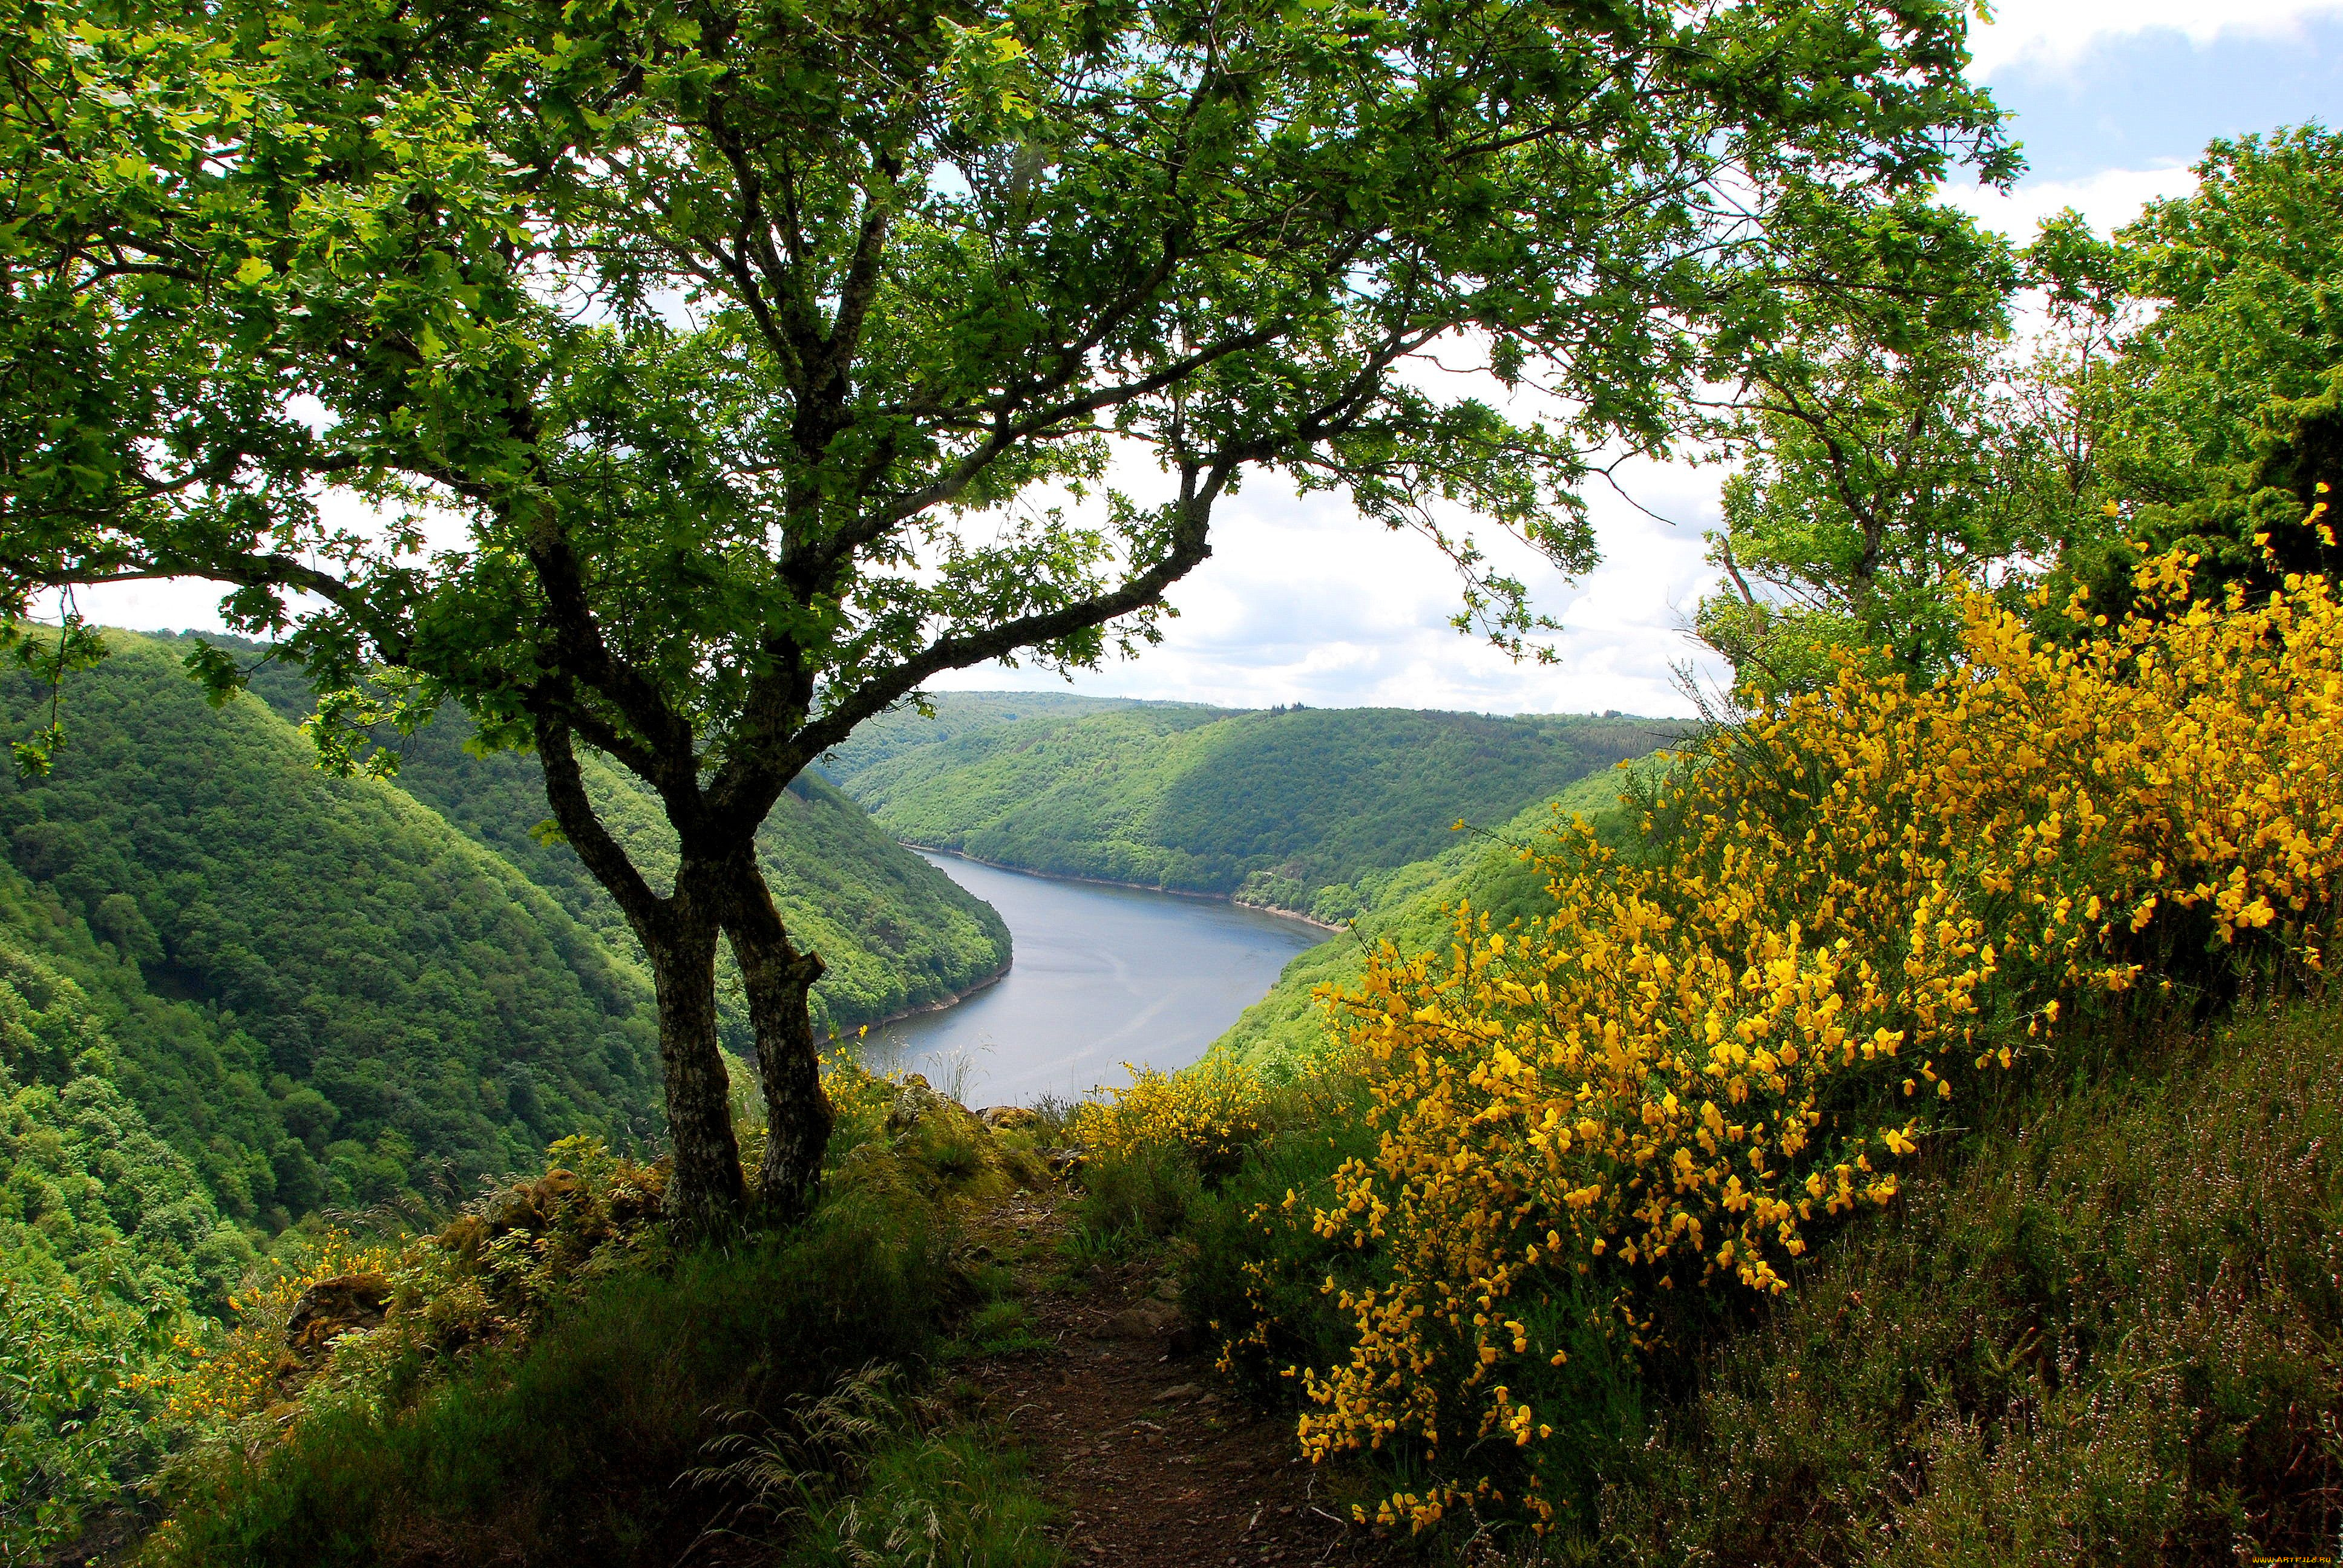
(1305, 810)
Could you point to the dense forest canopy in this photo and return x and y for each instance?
(389, 989)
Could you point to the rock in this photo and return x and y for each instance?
(1167, 1289)
(1064, 1163)
(1176, 1393)
(515, 1209)
(1144, 1321)
(556, 1189)
(464, 1235)
(640, 1196)
(346, 1303)
(1008, 1118)
(917, 1101)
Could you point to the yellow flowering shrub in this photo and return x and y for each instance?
(1865, 896)
(1213, 1111)
(245, 1369)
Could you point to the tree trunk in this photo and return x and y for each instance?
(705, 1195)
(779, 980)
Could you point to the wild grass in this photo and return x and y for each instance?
(2109, 1336)
(564, 1439)
(563, 1453)
(873, 1473)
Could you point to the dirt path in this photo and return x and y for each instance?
(1154, 1458)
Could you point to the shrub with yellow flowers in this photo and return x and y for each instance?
(1213, 1113)
(253, 1365)
(1855, 902)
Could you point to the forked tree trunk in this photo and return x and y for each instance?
(779, 980)
(705, 1191)
(719, 891)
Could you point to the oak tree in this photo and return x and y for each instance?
(690, 380)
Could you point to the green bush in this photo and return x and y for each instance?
(941, 1500)
(1145, 1194)
(566, 1450)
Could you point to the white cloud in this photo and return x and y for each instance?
(1305, 601)
(2056, 35)
(2109, 199)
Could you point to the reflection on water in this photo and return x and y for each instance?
(1102, 976)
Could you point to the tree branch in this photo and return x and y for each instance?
(565, 790)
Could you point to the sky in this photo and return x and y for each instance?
(1302, 601)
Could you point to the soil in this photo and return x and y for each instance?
(1152, 1458)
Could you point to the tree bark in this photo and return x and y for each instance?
(779, 980)
(705, 1193)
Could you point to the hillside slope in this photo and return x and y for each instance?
(1304, 809)
(1410, 909)
(962, 715)
(367, 1002)
(895, 933)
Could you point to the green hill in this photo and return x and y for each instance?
(330, 992)
(1303, 809)
(369, 1002)
(1410, 910)
(896, 933)
(960, 715)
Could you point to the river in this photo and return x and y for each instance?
(1102, 976)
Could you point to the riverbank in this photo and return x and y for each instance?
(953, 1000)
(1280, 913)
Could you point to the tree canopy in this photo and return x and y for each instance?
(2183, 392)
(724, 371)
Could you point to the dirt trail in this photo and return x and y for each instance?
(1154, 1458)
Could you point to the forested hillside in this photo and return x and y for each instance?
(1303, 809)
(386, 1004)
(894, 933)
(1285, 1032)
(960, 715)
(333, 991)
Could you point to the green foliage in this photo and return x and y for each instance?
(2219, 422)
(1141, 1195)
(77, 1420)
(2184, 395)
(1284, 1031)
(895, 934)
(568, 1450)
(372, 1005)
(107, 1238)
(1306, 808)
(1882, 456)
(2103, 1333)
(2099, 1326)
(954, 1500)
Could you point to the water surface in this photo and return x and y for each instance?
(1102, 976)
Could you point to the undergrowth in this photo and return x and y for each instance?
(2105, 1334)
(547, 1381)
(1584, 1162)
